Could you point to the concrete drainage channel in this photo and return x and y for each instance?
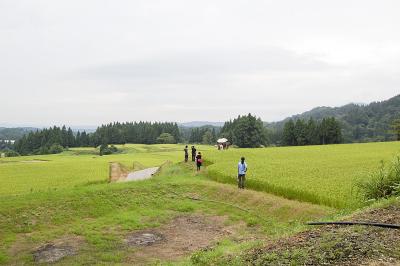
(141, 174)
(120, 173)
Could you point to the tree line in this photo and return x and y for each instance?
(55, 139)
(137, 132)
(302, 132)
(204, 135)
(45, 141)
(246, 131)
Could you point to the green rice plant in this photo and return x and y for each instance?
(325, 175)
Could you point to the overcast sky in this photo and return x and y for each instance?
(95, 61)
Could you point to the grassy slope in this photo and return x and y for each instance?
(319, 174)
(323, 245)
(104, 213)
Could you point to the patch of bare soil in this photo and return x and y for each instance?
(337, 245)
(144, 238)
(117, 172)
(49, 252)
(34, 161)
(182, 236)
(58, 249)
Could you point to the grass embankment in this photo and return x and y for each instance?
(325, 245)
(319, 174)
(101, 215)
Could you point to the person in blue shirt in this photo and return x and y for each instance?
(242, 169)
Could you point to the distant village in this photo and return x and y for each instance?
(8, 141)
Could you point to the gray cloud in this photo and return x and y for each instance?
(214, 63)
(94, 61)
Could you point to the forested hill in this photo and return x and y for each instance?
(14, 133)
(360, 123)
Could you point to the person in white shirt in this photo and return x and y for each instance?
(242, 169)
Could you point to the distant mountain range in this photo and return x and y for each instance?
(360, 122)
(201, 124)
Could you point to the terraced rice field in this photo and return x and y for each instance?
(320, 174)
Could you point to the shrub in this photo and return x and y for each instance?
(383, 183)
(55, 148)
(106, 150)
(10, 153)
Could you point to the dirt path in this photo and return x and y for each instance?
(141, 175)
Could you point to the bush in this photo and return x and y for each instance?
(10, 153)
(55, 148)
(383, 183)
(106, 150)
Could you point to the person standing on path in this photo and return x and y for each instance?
(242, 169)
(186, 153)
(199, 161)
(193, 153)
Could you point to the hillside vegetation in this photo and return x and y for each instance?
(360, 123)
(14, 133)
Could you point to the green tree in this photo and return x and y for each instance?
(166, 138)
(289, 135)
(245, 132)
(300, 131)
(312, 132)
(396, 128)
(208, 138)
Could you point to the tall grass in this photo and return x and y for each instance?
(383, 183)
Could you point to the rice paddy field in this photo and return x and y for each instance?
(78, 166)
(66, 198)
(319, 174)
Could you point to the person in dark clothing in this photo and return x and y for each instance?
(186, 154)
(199, 161)
(193, 153)
(242, 169)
